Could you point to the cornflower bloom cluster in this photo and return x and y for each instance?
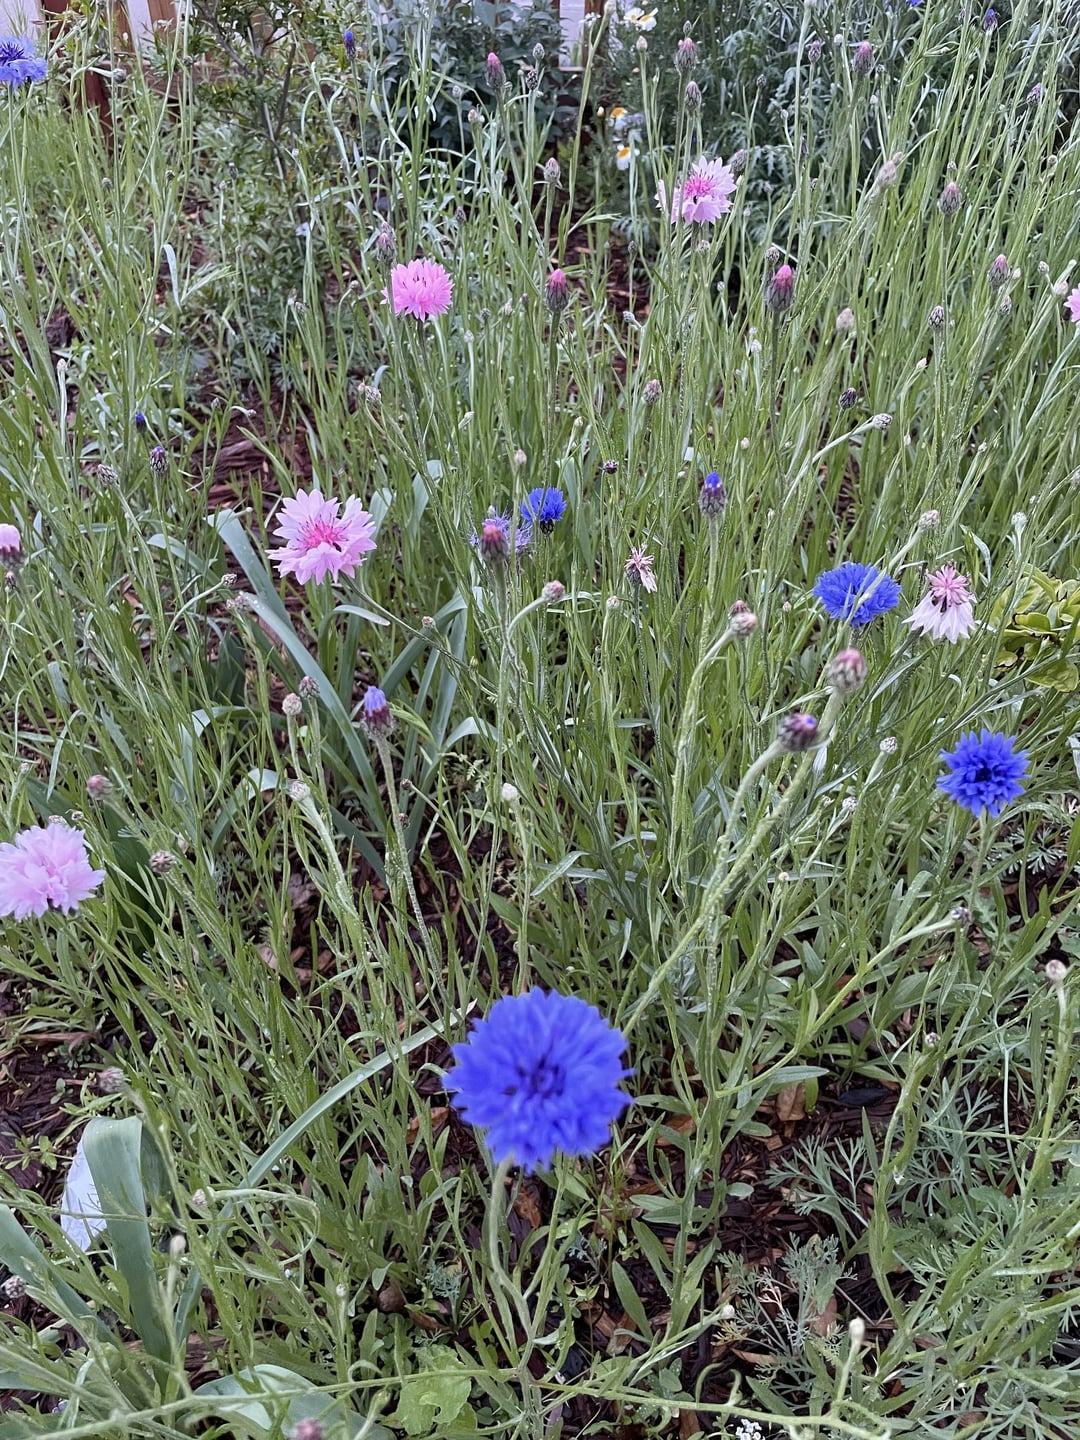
(703, 196)
(421, 288)
(319, 541)
(985, 771)
(541, 1074)
(46, 868)
(946, 611)
(857, 593)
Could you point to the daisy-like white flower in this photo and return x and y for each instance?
(45, 868)
(1072, 304)
(319, 541)
(703, 196)
(421, 288)
(624, 156)
(946, 611)
(639, 569)
(640, 19)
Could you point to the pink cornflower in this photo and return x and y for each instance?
(421, 288)
(10, 543)
(639, 569)
(1072, 304)
(46, 867)
(703, 196)
(319, 542)
(946, 611)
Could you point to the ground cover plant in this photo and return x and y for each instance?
(538, 825)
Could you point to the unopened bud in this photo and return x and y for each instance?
(162, 861)
(814, 51)
(552, 171)
(847, 672)
(686, 56)
(1056, 971)
(936, 318)
(999, 272)
(159, 460)
(692, 96)
(886, 176)
(99, 787)
(881, 421)
(845, 321)
(863, 61)
(349, 41)
(376, 717)
(780, 290)
(308, 687)
(930, 520)
(554, 590)
(737, 163)
(111, 1080)
(496, 75)
(797, 732)
(13, 1288)
(307, 1430)
(385, 246)
(848, 398)
(741, 619)
(509, 793)
(651, 392)
(557, 294)
(712, 496)
(950, 199)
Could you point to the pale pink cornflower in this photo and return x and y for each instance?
(1072, 304)
(639, 569)
(319, 542)
(946, 611)
(421, 288)
(703, 196)
(10, 543)
(45, 867)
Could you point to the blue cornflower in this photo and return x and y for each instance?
(543, 506)
(541, 1074)
(349, 41)
(985, 771)
(18, 63)
(856, 592)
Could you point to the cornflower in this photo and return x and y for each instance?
(703, 196)
(946, 611)
(319, 541)
(45, 867)
(421, 288)
(985, 771)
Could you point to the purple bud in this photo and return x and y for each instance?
(686, 56)
(797, 732)
(814, 51)
(552, 172)
(692, 96)
(376, 718)
(848, 398)
(950, 199)
(651, 392)
(847, 671)
(990, 21)
(863, 63)
(741, 619)
(936, 318)
(780, 290)
(999, 272)
(349, 40)
(140, 422)
(159, 460)
(496, 75)
(712, 496)
(385, 246)
(557, 294)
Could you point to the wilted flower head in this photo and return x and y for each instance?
(541, 1074)
(863, 61)
(45, 867)
(857, 593)
(703, 196)
(18, 63)
(985, 771)
(780, 289)
(1072, 305)
(320, 542)
(543, 506)
(639, 569)
(421, 288)
(946, 611)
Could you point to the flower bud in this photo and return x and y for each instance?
(845, 321)
(307, 1430)
(847, 672)
(385, 246)
(886, 176)
(162, 861)
(292, 705)
(863, 63)
(936, 318)
(557, 294)
(553, 591)
(496, 75)
(349, 41)
(780, 290)
(998, 272)
(10, 544)
(552, 171)
(376, 718)
(848, 398)
(99, 787)
(814, 51)
(308, 687)
(651, 392)
(712, 496)
(159, 460)
(111, 1080)
(737, 163)
(881, 421)
(692, 97)
(742, 620)
(140, 422)
(686, 56)
(950, 199)
(509, 793)
(797, 732)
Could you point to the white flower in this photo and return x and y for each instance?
(640, 19)
(946, 611)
